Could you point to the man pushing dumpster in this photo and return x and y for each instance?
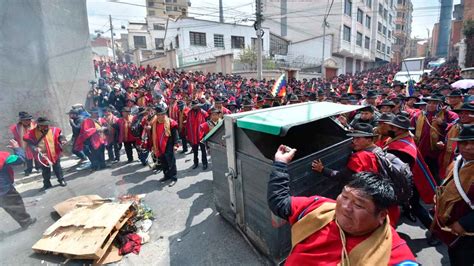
(352, 230)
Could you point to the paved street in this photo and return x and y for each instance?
(187, 229)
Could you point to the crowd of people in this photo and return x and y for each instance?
(158, 112)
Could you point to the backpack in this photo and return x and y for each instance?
(398, 172)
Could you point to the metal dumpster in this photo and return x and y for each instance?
(242, 150)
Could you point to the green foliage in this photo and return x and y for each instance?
(468, 28)
(468, 31)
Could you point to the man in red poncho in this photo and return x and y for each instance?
(125, 135)
(196, 116)
(352, 230)
(164, 135)
(19, 130)
(92, 136)
(46, 141)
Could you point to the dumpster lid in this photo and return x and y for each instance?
(277, 121)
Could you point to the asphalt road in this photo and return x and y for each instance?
(187, 229)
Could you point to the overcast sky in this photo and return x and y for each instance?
(425, 14)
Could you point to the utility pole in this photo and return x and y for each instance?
(221, 12)
(112, 37)
(259, 31)
(324, 46)
(428, 43)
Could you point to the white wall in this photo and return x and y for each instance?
(311, 48)
(190, 53)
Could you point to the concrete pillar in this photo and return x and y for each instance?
(45, 59)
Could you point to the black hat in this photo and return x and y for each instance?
(344, 97)
(386, 117)
(401, 121)
(24, 116)
(367, 108)
(371, 94)
(126, 109)
(215, 110)
(386, 103)
(455, 93)
(421, 102)
(181, 104)
(218, 99)
(362, 130)
(232, 103)
(465, 107)
(466, 134)
(43, 121)
(247, 102)
(397, 83)
(160, 110)
(195, 103)
(294, 98)
(433, 98)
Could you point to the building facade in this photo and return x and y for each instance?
(167, 8)
(362, 30)
(195, 41)
(403, 21)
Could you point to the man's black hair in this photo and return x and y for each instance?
(380, 189)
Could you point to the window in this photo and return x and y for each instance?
(278, 45)
(390, 19)
(197, 38)
(385, 12)
(378, 45)
(388, 49)
(176, 40)
(367, 42)
(384, 31)
(391, 3)
(369, 3)
(175, 8)
(169, 8)
(368, 21)
(159, 26)
(390, 34)
(360, 16)
(237, 42)
(359, 39)
(151, 4)
(346, 34)
(159, 43)
(151, 12)
(379, 27)
(219, 40)
(380, 9)
(398, 27)
(383, 47)
(348, 7)
(254, 44)
(168, 1)
(139, 41)
(174, 1)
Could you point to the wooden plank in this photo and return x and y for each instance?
(85, 232)
(112, 255)
(64, 207)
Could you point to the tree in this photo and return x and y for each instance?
(248, 57)
(469, 33)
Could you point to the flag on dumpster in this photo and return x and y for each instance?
(350, 89)
(279, 88)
